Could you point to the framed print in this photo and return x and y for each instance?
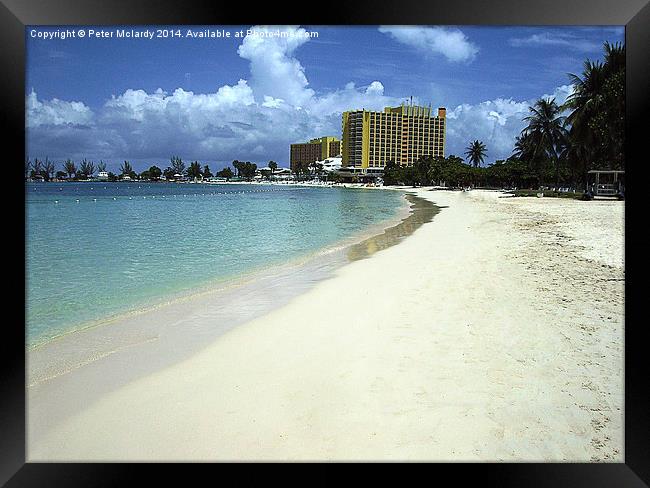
(370, 234)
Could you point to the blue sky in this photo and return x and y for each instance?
(221, 99)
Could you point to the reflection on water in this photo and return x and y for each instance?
(422, 211)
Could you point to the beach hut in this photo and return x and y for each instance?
(606, 183)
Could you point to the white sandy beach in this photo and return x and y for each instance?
(494, 332)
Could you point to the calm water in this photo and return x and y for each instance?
(109, 248)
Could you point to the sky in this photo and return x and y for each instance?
(250, 95)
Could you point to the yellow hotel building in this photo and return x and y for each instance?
(400, 134)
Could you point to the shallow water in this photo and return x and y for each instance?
(97, 250)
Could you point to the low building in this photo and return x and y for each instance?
(331, 165)
(314, 150)
(277, 173)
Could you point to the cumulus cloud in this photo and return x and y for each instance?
(275, 72)
(495, 122)
(221, 126)
(451, 43)
(351, 98)
(56, 112)
(376, 88)
(560, 94)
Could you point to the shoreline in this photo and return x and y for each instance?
(474, 339)
(305, 183)
(77, 356)
(222, 283)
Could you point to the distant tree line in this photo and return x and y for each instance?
(46, 170)
(453, 172)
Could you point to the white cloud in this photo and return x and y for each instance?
(375, 88)
(55, 112)
(351, 98)
(272, 102)
(275, 72)
(221, 126)
(559, 39)
(560, 94)
(449, 42)
(495, 122)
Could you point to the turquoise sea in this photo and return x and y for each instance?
(96, 250)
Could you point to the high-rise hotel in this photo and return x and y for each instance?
(400, 134)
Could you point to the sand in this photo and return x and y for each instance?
(493, 333)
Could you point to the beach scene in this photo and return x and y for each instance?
(319, 243)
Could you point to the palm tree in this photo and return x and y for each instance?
(585, 103)
(302, 168)
(523, 147)
(87, 168)
(194, 171)
(614, 57)
(576, 155)
(238, 165)
(37, 167)
(225, 173)
(177, 165)
(526, 152)
(476, 153)
(70, 168)
(126, 168)
(28, 166)
(48, 169)
(101, 166)
(613, 117)
(273, 165)
(597, 105)
(547, 132)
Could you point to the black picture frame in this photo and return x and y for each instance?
(634, 14)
